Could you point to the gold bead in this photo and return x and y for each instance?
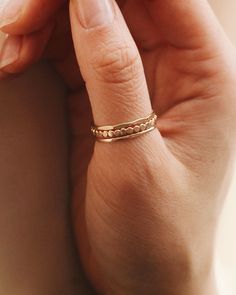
(136, 128)
(123, 131)
(104, 134)
(149, 124)
(130, 130)
(117, 133)
(110, 133)
(142, 127)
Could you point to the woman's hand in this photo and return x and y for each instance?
(145, 214)
(147, 222)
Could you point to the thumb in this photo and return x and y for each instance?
(110, 62)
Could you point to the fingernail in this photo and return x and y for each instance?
(10, 50)
(93, 13)
(10, 11)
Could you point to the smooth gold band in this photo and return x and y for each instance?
(125, 130)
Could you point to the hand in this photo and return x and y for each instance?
(38, 29)
(152, 204)
(146, 215)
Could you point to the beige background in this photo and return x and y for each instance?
(37, 255)
(226, 244)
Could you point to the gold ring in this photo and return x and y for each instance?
(125, 130)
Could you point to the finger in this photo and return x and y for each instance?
(20, 17)
(109, 62)
(19, 52)
(184, 23)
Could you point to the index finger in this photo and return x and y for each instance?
(19, 17)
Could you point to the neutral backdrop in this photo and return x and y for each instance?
(37, 254)
(226, 243)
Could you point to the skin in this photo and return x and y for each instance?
(145, 210)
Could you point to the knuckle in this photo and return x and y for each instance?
(119, 65)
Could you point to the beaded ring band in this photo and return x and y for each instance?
(125, 130)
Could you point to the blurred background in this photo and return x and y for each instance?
(226, 241)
